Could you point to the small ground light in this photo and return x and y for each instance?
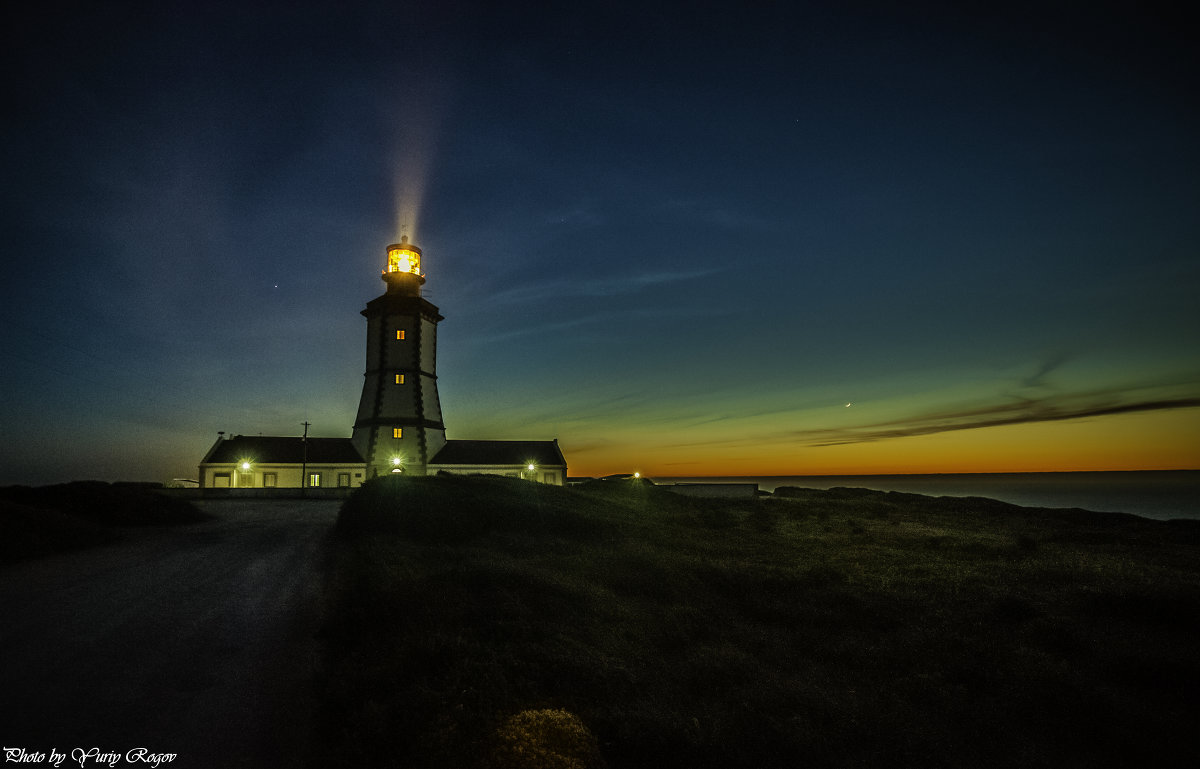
(637, 475)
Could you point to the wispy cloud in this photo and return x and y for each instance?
(593, 319)
(597, 287)
(582, 216)
(710, 215)
(1003, 410)
(1051, 409)
(1048, 366)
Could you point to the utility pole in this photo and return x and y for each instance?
(304, 460)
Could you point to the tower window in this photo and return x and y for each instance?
(399, 379)
(400, 334)
(397, 432)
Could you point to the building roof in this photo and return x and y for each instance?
(283, 449)
(499, 453)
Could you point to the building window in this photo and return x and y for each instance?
(343, 480)
(221, 480)
(399, 379)
(269, 480)
(400, 334)
(397, 432)
(314, 480)
(245, 479)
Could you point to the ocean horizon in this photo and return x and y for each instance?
(1157, 494)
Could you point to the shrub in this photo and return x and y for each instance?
(457, 509)
(545, 739)
(48, 519)
(115, 504)
(27, 531)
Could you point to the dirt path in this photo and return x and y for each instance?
(196, 640)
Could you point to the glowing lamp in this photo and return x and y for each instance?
(395, 461)
(403, 257)
(245, 465)
(637, 475)
(530, 467)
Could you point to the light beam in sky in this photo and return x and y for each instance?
(417, 124)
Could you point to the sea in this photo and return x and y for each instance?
(1158, 494)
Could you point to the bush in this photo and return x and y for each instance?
(47, 519)
(110, 504)
(27, 531)
(545, 739)
(457, 509)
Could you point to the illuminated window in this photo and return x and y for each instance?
(400, 334)
(397, 432)
(314, 479)
(399, 379)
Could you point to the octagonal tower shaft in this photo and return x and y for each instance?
(399, 424)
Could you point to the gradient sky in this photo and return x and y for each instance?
(680, 238)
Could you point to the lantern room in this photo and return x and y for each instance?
(403, 257)
(403, 271)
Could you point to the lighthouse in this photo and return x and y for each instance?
(399, 425)
(399, 428)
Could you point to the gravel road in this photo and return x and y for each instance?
(194, 640)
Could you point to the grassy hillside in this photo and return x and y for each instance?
(488, 622)
(46, 519)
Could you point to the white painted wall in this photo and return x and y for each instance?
(287, 476)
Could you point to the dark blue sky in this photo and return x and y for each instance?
(680, 237)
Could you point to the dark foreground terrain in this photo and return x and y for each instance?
(194, 639)
(485, 622)
(480, 622)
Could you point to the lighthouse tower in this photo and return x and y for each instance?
(399, 425)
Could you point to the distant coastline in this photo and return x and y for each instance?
(1158, 494)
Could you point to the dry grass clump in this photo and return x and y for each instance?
(545, 739)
